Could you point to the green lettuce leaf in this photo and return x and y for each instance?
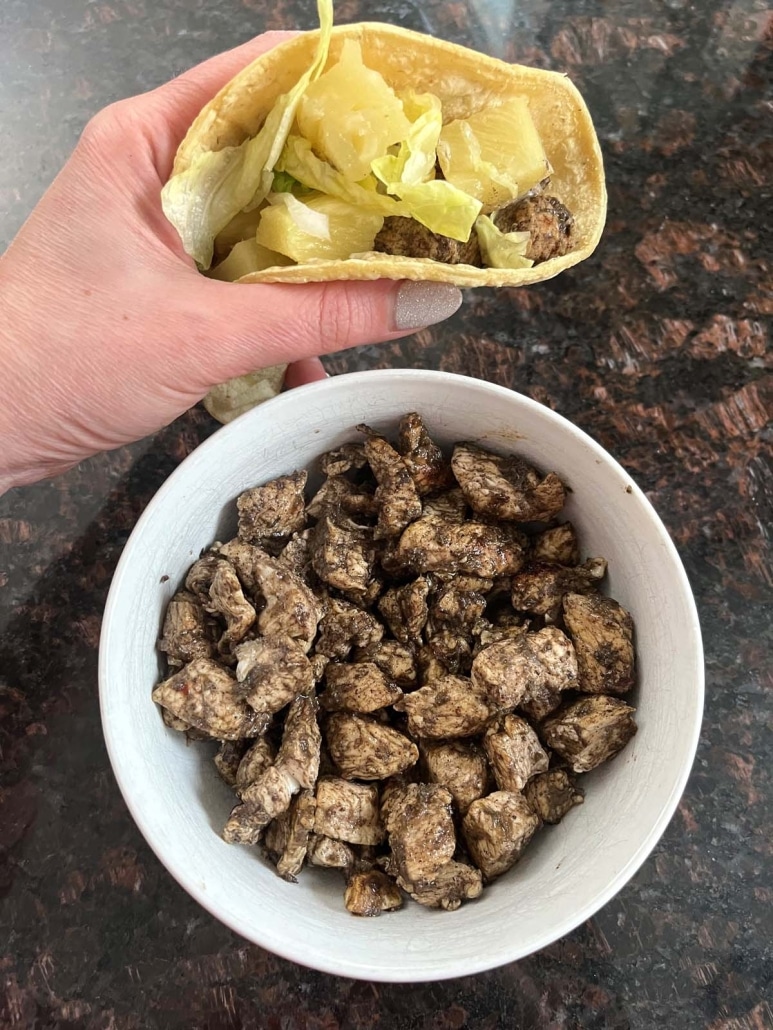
(202, 200)
(440, 206)
(502, 249)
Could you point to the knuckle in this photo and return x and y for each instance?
(107, 124)
(342, 316)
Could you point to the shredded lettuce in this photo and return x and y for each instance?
(229, 400)
(323, 228)
(202, 200)
(502, 249)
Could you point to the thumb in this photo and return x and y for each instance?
(251, 325)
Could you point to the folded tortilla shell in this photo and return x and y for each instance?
(466, 82)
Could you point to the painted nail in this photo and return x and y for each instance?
(420, 304)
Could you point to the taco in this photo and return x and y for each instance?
(370, 151)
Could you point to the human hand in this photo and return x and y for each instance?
(108, 332)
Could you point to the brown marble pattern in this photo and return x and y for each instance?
(659, 346)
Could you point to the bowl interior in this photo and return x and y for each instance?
(570, 870)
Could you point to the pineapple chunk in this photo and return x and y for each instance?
(247, 256)
(329, 228)
(495, 155)
(350, 115)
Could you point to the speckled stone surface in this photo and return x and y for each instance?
(659, 346)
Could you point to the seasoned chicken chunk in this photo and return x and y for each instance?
(452, 884)
(181, 726)
(496, 830)
(450, 648)
(409, 238)
(602, 634)
(446, 708)
(371, 893)
(399, 503)
(430, 666)
(557, 544)
(460, 768)
(347, 458)
(348, 811)
(200, 576)
(296, 556)
(258, 757)
(555, 653)
(187, 633)
(589, 731)
(328, 853)
(272, 671)
(434, 545)
(505, 487)
(552, 794)
(395, 660)
(364, 749)
(339, 494)
(514, 752)
(206, 696)
(265, 799)
(342, 554)
(228, 758)
(299, 751)
(419, 821)
(450, 506)
(226, 598)
(504, 627)
(423, 458)
(361, 687)
(458, 608)
(300, 822)
(539, 587)
(243, 557)
(343, 626)
(273, 511)
(291, 608)
(549, 224)
(405, 610)
(507, 671)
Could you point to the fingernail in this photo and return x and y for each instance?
(420, 304)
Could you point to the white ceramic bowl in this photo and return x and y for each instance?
(570, 870)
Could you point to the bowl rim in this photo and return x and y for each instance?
(472, 963)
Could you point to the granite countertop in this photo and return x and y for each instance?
(658, 346)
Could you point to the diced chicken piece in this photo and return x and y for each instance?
(505, 672)
(450, 506)
(505, 487)
(277, 834)
(550, 225)
(405, 610)
(344, 626)
(552, 794)
(272, 671)
(348, 812)
(423, 458)
(273, 511)
(419, 821)
(228, 759)
(514, 753)
(446, 708)
(299, 752)
(589, 731)
(504, 627)
(339, 494)
(300, 825)
(265, 799)
(452, 649)
(226, 598)
(361, 687)
(200, 576)
(458, 608)
(473, 548)
(187, 633)
(399, 503)
(243, 557)
(452, 884)
(342, 554)
(460, 768)
(364, 749)
(395, 660)
(258, 757)
(181, 726)
(557, 544)
(329, 853)
(602, 634)
(319, 662)
(394, 565)
(496, 830)
(206, 696)
(296, 555)
(371, 893)
(539, 587)
(367, 598)
(291, 608)
(430, 666)
(347, 458)
(555, 652)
